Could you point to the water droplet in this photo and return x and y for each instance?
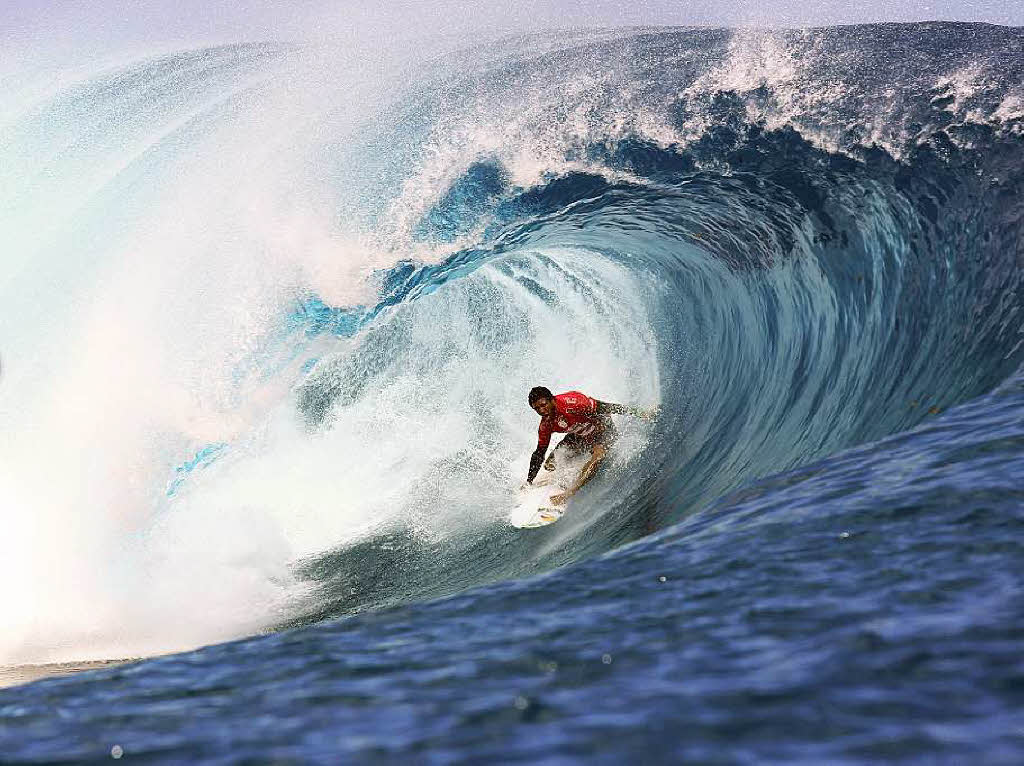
(116, 752)
(606, 659)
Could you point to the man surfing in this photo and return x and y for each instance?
(588, 428)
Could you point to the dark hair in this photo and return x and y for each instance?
(539, 392)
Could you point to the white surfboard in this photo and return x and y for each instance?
(535, 508)
(537, 517)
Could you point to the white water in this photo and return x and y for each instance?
(144, 324)
(158, 221)
(161, 220)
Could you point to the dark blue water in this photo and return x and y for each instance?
(806, 248)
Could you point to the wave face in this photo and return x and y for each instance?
(291, 318)
(683, 223)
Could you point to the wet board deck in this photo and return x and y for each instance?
(539, 517)
(535, 508)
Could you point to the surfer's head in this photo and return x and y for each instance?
(542, 400)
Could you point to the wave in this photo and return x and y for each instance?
(756, 230)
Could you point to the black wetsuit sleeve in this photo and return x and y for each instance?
(543, 440)
(535, 463)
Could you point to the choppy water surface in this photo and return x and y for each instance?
(804, 246)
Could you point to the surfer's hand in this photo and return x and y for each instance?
(549, 464)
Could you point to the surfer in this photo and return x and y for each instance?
(588, 428)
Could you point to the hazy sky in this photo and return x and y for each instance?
(28, 26)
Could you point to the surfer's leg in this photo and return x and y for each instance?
(586, 474)
(588, 470)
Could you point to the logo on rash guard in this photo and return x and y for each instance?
(562, 423)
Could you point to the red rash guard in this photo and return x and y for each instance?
(575, 413)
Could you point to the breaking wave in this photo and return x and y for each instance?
(274, 347)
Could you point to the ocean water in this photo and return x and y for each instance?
(271, 315)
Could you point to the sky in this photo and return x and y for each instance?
(29, 24)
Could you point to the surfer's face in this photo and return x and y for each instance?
(544, 407)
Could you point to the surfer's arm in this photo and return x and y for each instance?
(543, 440)
(535, 463)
